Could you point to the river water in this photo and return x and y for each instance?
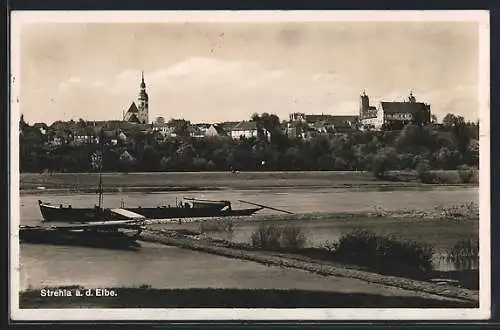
(169, 267)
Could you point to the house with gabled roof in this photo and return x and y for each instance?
(227, 126)
(246, 129)
(215, 130)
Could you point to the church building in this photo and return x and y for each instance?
(393, 115)
(139, 113)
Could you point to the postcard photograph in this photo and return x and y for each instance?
(275, 165)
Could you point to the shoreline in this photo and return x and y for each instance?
(156, 189)
(146, 297)
(189, 181)
(314, 266)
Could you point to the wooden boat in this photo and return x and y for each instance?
(61, 213)
(187, 212)
(189, 208)
(114, 235)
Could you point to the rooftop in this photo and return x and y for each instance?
(245, 126)
(403, 107)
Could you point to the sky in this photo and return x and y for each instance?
(212, 72)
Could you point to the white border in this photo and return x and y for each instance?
(19, 18)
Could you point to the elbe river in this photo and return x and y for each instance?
(169, 267)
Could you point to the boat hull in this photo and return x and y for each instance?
(68, 214)
(111, 239)
(64, 214)
(177, 212)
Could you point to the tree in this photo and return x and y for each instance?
(450, 120)
(434, 119)
(160, 120)
(181, 127)
(422, 117)
(269, 123)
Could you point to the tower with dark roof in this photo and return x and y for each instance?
(411, 98)
(364, 105)
(143, 102)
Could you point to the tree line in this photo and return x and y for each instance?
(446, 146)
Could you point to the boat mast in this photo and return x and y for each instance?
(100, 161)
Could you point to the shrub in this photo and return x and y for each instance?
(292, 237)
(217, 225)
(273, 237)
(469, 210)
(379, 166)
(366, 248)
(424, 172)
(466, 173)
(266, 237)
(330, 246)
(464, 254)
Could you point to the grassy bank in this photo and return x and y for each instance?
(232, 298)
(213, 180)
(442, 226)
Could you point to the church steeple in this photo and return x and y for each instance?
(143, 101)
(143, 84)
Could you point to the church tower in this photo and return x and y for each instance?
(364, 105)
(411, 98)
(143, 102)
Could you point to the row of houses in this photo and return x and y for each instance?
(298, 125)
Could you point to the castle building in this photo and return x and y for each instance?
(365, 109)
(139, 113)
(393, 114)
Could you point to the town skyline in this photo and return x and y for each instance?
(214, 72)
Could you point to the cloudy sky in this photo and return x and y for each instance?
(209, 72)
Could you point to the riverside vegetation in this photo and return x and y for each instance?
(421, 148)
(384, 254)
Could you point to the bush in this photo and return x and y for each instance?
(464, 254)
(469, 210)
(217, 225)
(366, 248)
(292, 237)
(379, 166)
(424, 172)
(466, 173)
(273, 237)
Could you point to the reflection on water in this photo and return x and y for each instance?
(168, 267)
(171, 268)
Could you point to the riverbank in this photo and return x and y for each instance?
(187, 181)
(441, 227)
(145, 297)
(315, 266)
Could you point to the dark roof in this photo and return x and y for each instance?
(192, 129)
(315, 118)
(133, 118)
(343, 121)
(228, 125)
(403, 107)
(40, 125)
(219, 129)
(133, 108)
(245, 126)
